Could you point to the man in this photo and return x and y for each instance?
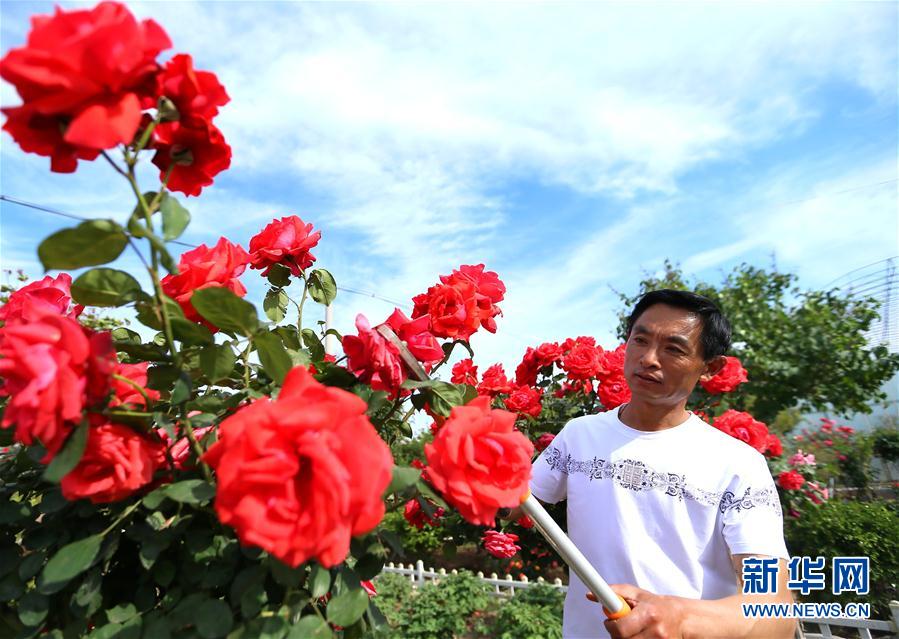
(662, 504)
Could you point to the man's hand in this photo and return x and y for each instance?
(652, 616)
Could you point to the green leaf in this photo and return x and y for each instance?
(217, 361)
(369, 566)
(190, 333)
(403, 477)
(346, 608)
(31, 565)
(69, 562)
(181, 390)
(316, 349)
(69, 456)
(273, 356)
(310, 627)
(105, 287)
(320, 580)
(443, 396)
(279, 275)
(148, 315)
(175, 217)
(214, 619)
(322, 286)
(121, 613)
(330, 374)
(224, 309)
(191, 491)
(33, 608)
(288, 335)
(89, 244)
(275, 304)
(285, 575)
(136, 221)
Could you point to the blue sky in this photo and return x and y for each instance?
(570, 147)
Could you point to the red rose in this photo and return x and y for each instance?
(790, 480)
(526, 371)
(494, 382)
(584, 387)
(288, 242)
(465, 372)
(195, 151)
(417, 517)
(613, 392)
(116, 462)
(301, 475)
(414, 333)
(180, 450)
(500, 545)
(52, 370)
(744, 427)
(192, 92)
(570, 343)
(479, 461)
(774, 447)
(373, 359)
(728, 378)
(452, 309)
(525, 522)
(535, 359)
(489, 291)
(49, 296)
(582, 361)
(525, 400)
(83, 76)
(205, 267)
(611, 363)
(543, 441)
(125, 393)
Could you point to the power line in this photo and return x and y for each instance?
(855, 270)
(72, 216)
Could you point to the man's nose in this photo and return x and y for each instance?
(649, 359)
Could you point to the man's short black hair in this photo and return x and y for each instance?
(716, 332)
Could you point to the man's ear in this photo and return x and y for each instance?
(713, 367)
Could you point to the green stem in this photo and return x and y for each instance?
(146, 136)
(300, 306)
(140, 389)
(245, 356)
(121, 518)
(195, 445)
(154, 270)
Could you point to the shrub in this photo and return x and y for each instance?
(535, 613)
(852, 529)
(454, 606)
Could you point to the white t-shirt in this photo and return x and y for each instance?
(661, 510)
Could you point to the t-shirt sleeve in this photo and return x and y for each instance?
(549, 473)
(752, 515)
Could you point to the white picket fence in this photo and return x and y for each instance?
(850, 628)
(506, 587)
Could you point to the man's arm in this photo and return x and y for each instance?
(658, 616)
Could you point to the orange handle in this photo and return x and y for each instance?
(624, 611)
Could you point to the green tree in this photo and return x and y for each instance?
(805, 349)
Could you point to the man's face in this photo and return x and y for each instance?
(664, 360)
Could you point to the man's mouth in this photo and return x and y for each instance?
(650, 378)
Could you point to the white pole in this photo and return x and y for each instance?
(615, 606)
(329, 322)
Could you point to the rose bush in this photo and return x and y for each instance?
(212, 473)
